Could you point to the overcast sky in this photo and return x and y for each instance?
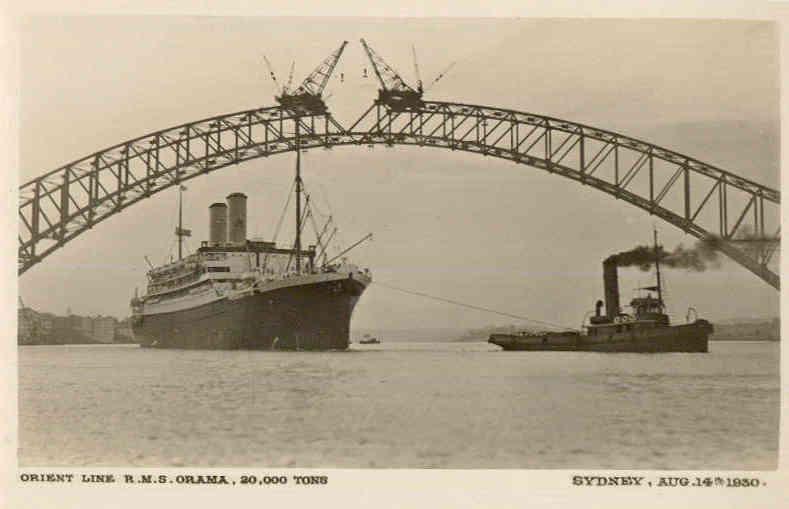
(472, 229)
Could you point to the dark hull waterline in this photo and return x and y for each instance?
(306, 317)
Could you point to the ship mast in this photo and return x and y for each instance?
(180, 231)
(298, 199)
(657, 268)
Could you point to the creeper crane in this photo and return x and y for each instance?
(394, 92)
(307, 98)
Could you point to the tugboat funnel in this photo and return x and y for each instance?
(611, 287)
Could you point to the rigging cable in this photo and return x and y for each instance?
(315, 228)
(279, 225)
(284, 211)
(472, 306)
(307, 213)
(325, 195)
(313, 209)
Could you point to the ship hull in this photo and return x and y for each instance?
(314, 316)
(691, 338)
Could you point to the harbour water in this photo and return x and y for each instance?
(400, 405)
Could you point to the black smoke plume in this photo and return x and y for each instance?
(698, 258)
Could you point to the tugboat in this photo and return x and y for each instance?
(646, 329)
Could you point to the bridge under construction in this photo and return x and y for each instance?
(738, 216)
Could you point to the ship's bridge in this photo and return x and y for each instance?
(645, 305)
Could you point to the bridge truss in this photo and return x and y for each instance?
(735, 215)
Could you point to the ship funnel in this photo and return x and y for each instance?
(217, 226)
(237, 218)
(611, 287)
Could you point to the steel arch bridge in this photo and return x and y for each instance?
(739, 217)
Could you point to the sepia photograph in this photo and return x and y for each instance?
(398, 243)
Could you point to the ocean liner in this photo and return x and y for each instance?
(236, 293)
(646, 329)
